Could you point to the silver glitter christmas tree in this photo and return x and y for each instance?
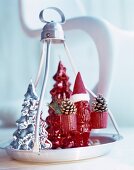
(23, 137)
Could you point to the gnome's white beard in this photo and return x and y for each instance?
(79, 97)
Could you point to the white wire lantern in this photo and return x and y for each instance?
(53, 33)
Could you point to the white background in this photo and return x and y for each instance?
(19, 54)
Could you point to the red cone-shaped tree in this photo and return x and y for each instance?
(58, 129)
(61, 89)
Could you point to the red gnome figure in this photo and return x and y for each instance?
(62, 118)
(81, 99)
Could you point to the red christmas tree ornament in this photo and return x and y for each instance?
(62, 118)
(61, 88)
(99, 114)
(81, 99)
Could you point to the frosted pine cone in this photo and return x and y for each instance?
(99, 104)
(68, 107)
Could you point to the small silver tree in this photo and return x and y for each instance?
(23, 137)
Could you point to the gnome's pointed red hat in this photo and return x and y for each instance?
(79, 92)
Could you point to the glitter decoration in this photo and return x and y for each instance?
(60, 125)
(23, 137)
(80, 97)
(68, 120)
(61, 89)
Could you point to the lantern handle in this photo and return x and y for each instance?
(53, 8)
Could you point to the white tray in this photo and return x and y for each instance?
(72, 154)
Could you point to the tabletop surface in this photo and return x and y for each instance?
(120, 158)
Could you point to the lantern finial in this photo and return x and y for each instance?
(52, 30)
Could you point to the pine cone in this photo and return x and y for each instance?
(99, 104)
(68, 107)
